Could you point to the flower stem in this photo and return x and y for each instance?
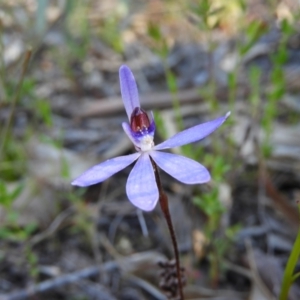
(163, 200)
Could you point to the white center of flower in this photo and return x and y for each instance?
(147, 143)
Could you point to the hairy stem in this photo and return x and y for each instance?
(163, 200)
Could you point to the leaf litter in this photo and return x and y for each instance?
(93, 243)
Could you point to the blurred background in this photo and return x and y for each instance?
(61, 113)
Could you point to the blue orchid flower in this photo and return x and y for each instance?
(141, 187)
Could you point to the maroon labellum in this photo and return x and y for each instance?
(139, 120)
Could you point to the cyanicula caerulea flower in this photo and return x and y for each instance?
(141, 187)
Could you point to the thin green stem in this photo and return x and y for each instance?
(288, 276)
(163, 200)
(14, 102)
(2, 65)
(296, 276)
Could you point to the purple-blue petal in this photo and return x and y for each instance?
(129, 90)
(104, 170)
(129, 133)
(141, 185)
(192, 134)
(182, 168)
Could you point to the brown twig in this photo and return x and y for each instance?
(127, 265)
(278, 198)
(255, 273)
(95, 291)
(60, 281)
(113, 105)
(280, 201)
(53, 227)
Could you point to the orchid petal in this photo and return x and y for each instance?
(129, 90)
(182, 168)
(128, 132)
(141, 185)
(104, 170)
(192, 134)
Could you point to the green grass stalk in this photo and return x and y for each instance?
(15, 100)
(288, 276)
